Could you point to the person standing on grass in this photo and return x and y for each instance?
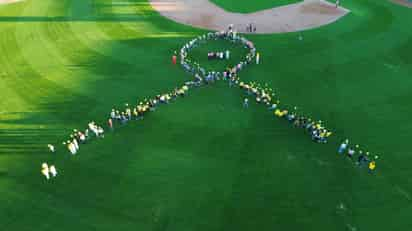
(372, 166)
(363, 159)
(82, 137)
(100, 131)
(45, 170)
(174, 59)
(351, 152)
(337, 3)
(76, 144)
(343, 146)
(128, 112)
(53, 170)
(257, 58)
(51, 148)
(113, 114)
(71, 147)
(273, 107)
(110, 124)
(246, 103)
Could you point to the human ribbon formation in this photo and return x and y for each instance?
(262, 93)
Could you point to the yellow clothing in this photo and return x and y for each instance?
(283, 113)
(372, 165)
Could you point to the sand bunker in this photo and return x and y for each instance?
(304, 15)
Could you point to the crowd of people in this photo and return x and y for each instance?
(211, 75)
(262, 94)
(48, 171)
(75, 139)
(266, 96)
(251, 28)
(360, 157)
(218, 55)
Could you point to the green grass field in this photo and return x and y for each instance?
(203, 162)
(244, 6)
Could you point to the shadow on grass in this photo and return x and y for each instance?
(126, 70)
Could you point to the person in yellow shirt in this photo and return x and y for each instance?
(372, 166)
(283, 113)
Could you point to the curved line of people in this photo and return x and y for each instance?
(263, 95)
(201, 73)
(360, 157)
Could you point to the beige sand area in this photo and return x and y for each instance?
(403, 3)
(294, 17)
(9, 1)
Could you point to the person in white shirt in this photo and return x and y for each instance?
(246, 103)
(53, 170)
(113, 114)
(45, 170)
(82, 137)
(343, 146)
(76, 144)
(51, 147)
(71, 147)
